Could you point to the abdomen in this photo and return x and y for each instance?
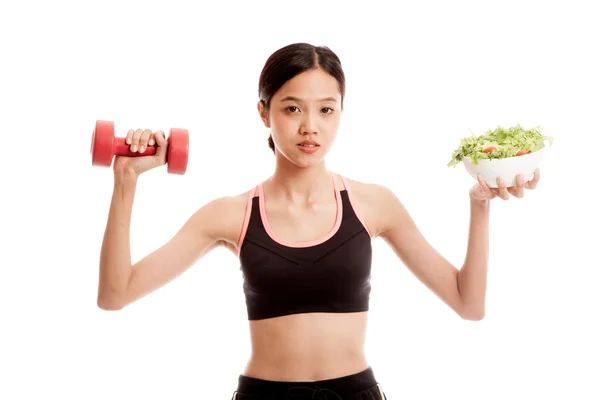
(308, 347)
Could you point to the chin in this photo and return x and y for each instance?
(308, 163)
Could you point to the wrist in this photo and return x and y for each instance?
(479, 203)
(126, 177)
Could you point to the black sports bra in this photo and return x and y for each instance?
(331, 274)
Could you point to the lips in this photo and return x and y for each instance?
(308, 146)
(308, 143)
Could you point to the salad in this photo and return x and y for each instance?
(500, 143)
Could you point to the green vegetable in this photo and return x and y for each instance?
(500, 143)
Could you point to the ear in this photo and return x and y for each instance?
(263, 113)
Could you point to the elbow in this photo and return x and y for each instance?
(109, 305)
(109, 302)
(471, 312)
(111, 297)
(472, 315)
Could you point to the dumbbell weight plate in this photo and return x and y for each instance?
(102, 143)
(177, 154)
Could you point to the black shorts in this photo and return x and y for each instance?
(359, 386)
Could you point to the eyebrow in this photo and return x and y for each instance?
(292, 98)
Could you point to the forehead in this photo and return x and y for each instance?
(313, 84)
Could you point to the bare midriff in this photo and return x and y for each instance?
(307, 347)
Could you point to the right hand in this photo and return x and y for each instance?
(138, 141)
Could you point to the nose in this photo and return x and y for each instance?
(309, 125)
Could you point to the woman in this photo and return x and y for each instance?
(303, 238)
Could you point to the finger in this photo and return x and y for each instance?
(486, 192)
(484, 185)
(129, 136)
(144, 140)
(159, 136)
(135, 140)
(151, 141)
(502, 191)
(162, 143)
(533, 183)
(519, 188)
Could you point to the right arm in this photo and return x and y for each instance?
(121, 283)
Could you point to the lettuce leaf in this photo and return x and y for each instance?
(506, 143)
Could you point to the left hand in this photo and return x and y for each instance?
(482, 192)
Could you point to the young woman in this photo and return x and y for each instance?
(303, 238)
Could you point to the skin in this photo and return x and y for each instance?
(300, 207)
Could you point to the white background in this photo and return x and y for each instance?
(419, 77)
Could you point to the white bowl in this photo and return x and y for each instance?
(505, 168)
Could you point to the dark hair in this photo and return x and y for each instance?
(291, 60)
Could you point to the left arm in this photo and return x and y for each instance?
(472, 277)
(462, 290)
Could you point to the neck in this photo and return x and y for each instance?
(299, 184)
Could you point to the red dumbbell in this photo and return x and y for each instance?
(105, 146)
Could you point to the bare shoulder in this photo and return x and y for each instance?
(369, 191)
(375, 203)
(227, 215)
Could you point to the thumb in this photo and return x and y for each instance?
(161, 150)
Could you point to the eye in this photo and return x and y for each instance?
(327, 108)
(290, 108)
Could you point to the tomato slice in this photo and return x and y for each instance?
(490, 149)
(523, 152)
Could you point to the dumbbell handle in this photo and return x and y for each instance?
(124, 149)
